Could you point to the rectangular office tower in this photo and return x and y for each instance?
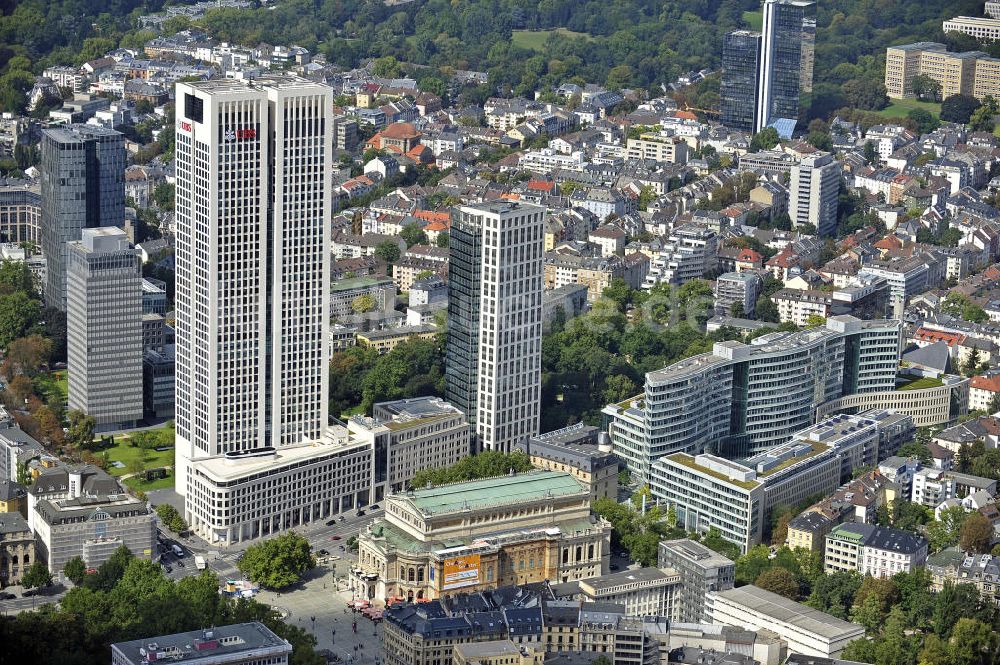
(786, 60)
(104, 328)
(494, 350)
(741, 399)
(738, 93)
(814, 187)
(83, 186)
(253, 304)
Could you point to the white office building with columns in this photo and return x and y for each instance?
(255, 454)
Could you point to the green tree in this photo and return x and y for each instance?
(388, 251)
(924, 87)
(363, 303)
(750, 566)
(765, 139)
(779, 581)
(820, 140)
(37, 576)
(868, 94)
(15, 276)
(442, 239)
(75, 570)
(278, 562)
(81, 430)
(387, 67)
(19, 313)
(976, 534)
(163, 196)
(861, 650)
(171, 518)
(959, 108)
(981, 119)
(944, 532)
(917, 450)
(868, 614)
(973, 643)
(413, 235)
(870, 154)
(925, 122)
(834, 593)
(135, 466)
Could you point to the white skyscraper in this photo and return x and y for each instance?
(495, 320)
(813, 188)
(253, 206)
(253, 263)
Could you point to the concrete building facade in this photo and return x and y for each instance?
(105, 333)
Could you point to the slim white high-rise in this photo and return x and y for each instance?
(814, 187)
(495, 320)
(253, 204)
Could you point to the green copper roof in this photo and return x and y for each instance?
(474, 494)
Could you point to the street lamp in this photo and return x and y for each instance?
(333, 636)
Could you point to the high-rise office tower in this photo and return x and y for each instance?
(813, 190)
(253, 265)
(740, 65)
(83, 186)
(104, 327)
(493, 367)
(785, 71)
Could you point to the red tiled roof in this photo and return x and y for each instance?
(889, 242)
(432, 216)
(400, 131)
(990, 383)
(685, 115)
(748, 255)
(541, 185)
(925, 335)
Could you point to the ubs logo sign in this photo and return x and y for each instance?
(239, 134)
(186, 126)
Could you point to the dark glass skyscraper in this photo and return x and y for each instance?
(740, 64)
(788, 38)
(465, 258)
(83, 186)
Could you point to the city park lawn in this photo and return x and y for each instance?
(54, 383)
(754, 19)
(535, 39)
(900, 107)
(125, 453)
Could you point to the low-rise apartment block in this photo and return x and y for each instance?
(957, 567)
(81, 511)
(878, 551)
(670, 149)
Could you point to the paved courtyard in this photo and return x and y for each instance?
(318, 598)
